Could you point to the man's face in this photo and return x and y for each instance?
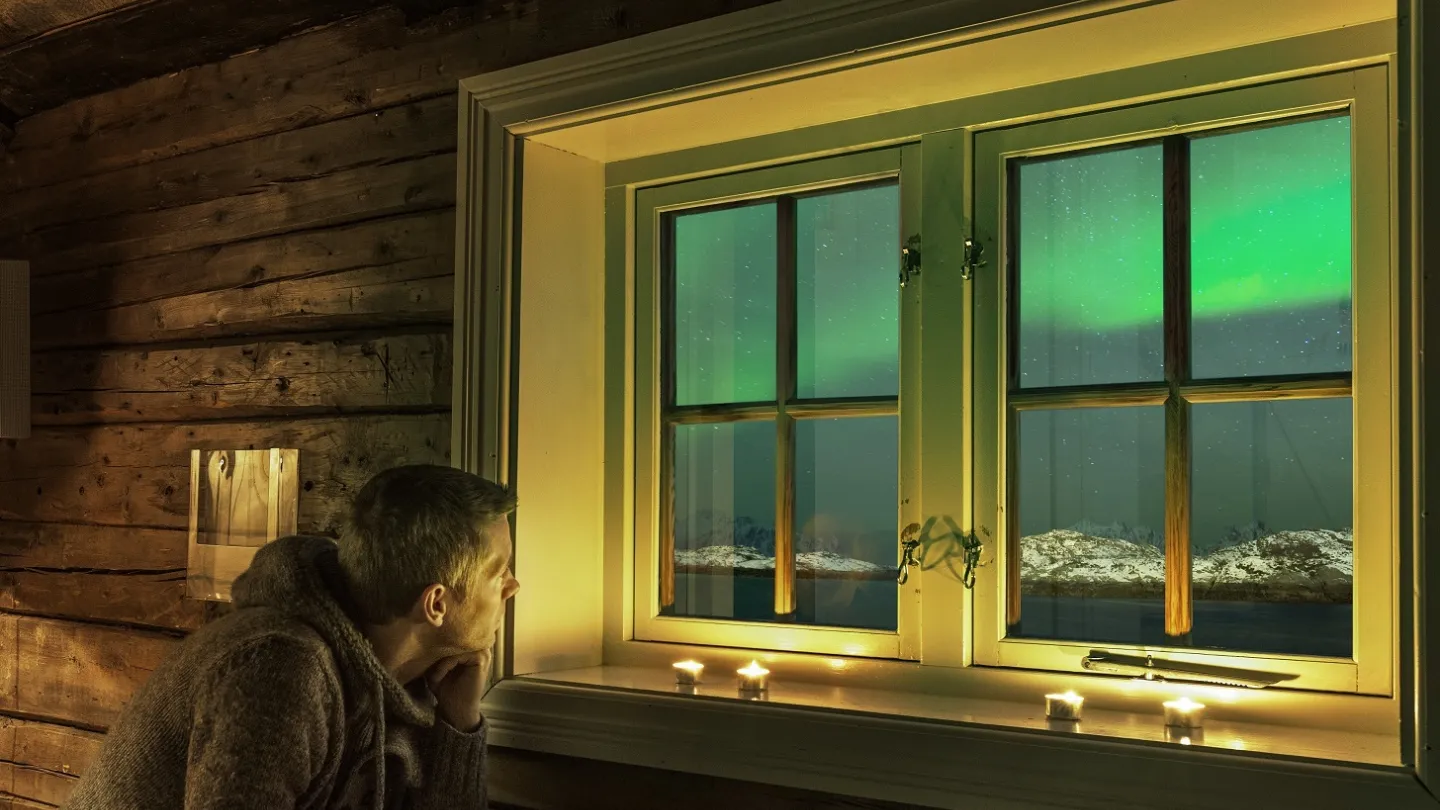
(477, 617)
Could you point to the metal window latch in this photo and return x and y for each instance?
(910, 259)
(909, 541)
(974, 257)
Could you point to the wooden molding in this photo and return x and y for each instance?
(929, 764)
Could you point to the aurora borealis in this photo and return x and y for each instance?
(1270, 253)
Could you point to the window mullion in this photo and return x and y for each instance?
(1179, 596)
(667, 403)
(785, 391)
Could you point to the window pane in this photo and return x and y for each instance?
(1091, 269)
(848, 317)
(724, 265)
(1090, 494)
(1270, 250)
(847, 496)
(1271, 517)
(725, 521)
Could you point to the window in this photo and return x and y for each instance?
(775, 336)
(1191, 340)
(1154, 426)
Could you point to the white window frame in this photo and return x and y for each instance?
(1360, 93)
(568, 656)
(899, 163)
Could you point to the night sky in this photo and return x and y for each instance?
(1271, 279)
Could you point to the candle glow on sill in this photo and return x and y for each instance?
(753, 670)
(687, 673)
(753, 678)
(1063, 706)
(1184, 714)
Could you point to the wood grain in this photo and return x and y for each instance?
(247, 167)
(353, 67)
(42, 761)
(22, 19)
(82, 547)
(142, 39)
(251, 264)
(372, 63)
(138, 475)
(336, 199)
(402, 294)
(134, 598)
(277, 378)
(81, 673)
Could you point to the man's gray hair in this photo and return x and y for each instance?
(413, 526)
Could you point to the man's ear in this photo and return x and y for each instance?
(434, 605)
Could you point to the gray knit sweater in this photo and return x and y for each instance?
(282, 704)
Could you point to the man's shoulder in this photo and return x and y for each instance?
(266, 637)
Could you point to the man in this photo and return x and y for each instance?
(349, 675)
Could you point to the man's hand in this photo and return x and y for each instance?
(459, 683)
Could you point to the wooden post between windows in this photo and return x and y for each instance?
(1179, 597)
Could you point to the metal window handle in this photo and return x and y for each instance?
(1151, 668)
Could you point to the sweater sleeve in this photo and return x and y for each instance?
(454, 770)
(261, 731)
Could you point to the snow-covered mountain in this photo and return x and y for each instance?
(1283, 566)
(1310, 564)
(746, 558)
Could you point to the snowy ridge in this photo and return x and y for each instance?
(1070, 556)
(1301, 564)
(744, 557)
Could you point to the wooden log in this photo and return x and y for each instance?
(349, 68)
(136, 598)
(406, 293)
(365, 65)
(142, 39)
(138, 475)
(21, 803)
(247, 167)
(285, 377)
(22, 19)
(42, 762)
(251, 264)
(106, 573)
(335, 199)
(79, 673)
(82, 547)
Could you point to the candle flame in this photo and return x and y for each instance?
(690, 666)
(1184, 704)
(1069, 696)
(754, 670)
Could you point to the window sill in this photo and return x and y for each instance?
(937, 750)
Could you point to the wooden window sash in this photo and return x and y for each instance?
(784, 411)
(1176, 393)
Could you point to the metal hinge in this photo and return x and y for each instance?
(974, 253)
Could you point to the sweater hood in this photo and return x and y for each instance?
(300, 576)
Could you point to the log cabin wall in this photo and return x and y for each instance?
(250, 253)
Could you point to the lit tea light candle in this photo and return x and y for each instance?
(753, 678)
(687, 673)
(1184, 714)
(1064, 706)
